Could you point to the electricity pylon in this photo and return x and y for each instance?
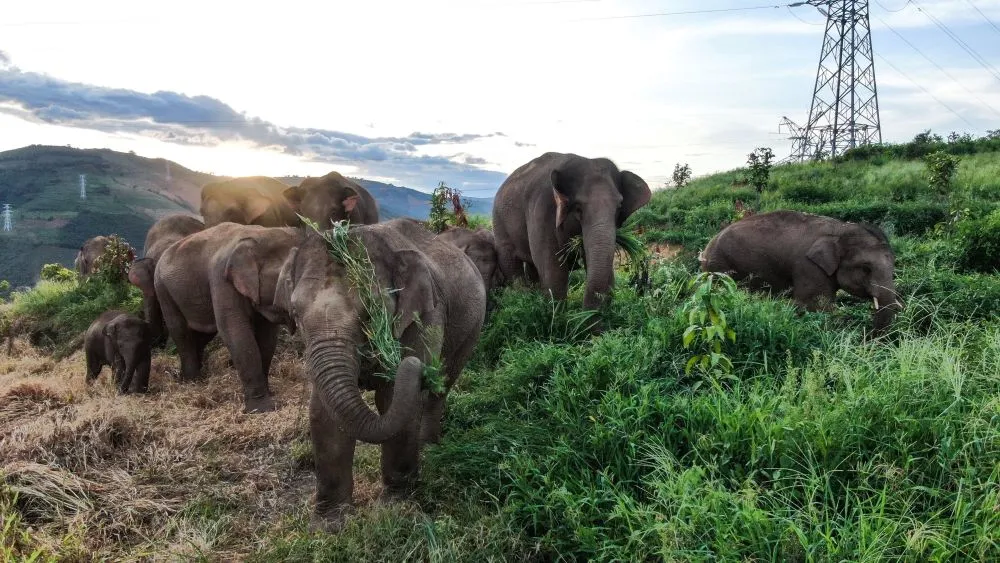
(844, 111)
(7, 226)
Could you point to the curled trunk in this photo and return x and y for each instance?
(599, 249)
(335, 370)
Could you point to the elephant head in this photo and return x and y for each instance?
(140, 274)
(332, 198)
(130, 340)
(316, 292)
(253, 200)
(593, 198)
(480, 247)
(861, 262)
(89, 252)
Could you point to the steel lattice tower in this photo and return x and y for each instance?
(6, 217)
(844, 112)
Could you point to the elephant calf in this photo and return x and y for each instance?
(812, 255)
(123, 342)
(480, 247)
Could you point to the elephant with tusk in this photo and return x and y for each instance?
(812, 255)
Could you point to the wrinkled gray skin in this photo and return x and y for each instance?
(811, 255)
(123, 342)
(439, 285)
(549, 200)
(251, 200)
(160, 237)
(333, 198)
(221, 280)
(88, 254)
(480, 247)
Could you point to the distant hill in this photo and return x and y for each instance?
(126, 193)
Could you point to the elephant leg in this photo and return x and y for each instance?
(510, 266)
(531, 272)
(236, 328)
(140, 383)
(94, 366)
(266, 334)
(201, 341)
(401, 453)
(184, 338)
(455, 359)
(333, 457)
(125, 383)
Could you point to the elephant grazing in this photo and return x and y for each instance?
(480, 247)
(251, 200)
(160, 237)
(438, 304)
(551, 199)
(122, 341)
(333, 198)
(222, 280)
(86, 258)
(812, 255)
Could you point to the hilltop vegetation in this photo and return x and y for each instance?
(126, 193)
(819, 444)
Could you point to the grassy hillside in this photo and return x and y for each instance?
(126, 193)
(820, 444)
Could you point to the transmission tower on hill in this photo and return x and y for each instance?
(83, 186)
(7, 226)
(844, 110)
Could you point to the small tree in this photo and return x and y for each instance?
(682, 174)
(440, 218)
(113, 264)
(759, 162)
(941, 168)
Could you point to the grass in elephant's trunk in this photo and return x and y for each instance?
(381, 346)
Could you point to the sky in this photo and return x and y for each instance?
(415, 92)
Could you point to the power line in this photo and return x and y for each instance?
(893, 11)
(926, 91)
(683, 13)
(946, 73)
(972, 52)
(985, 17)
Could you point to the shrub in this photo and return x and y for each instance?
(57, 273)
(941, 168)
(979, 240)
(113, 264)
(682, 174)
(759, 162)
(809, 193)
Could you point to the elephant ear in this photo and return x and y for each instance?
(286, 283)
(255, 208)
(243, 270)
(110, 330)
(140, 274)
(416, 293)
(635, 194)
(825, 253)
(351, 201)
(561, 199)
(294, 195)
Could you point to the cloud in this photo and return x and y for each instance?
(520, 144)
(207, 121)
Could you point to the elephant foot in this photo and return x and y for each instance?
(259, 405)
(330, 521)
(397, 492)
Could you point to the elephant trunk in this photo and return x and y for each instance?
(886, 306)
(599, 251)
(154, 316)
(334, 366)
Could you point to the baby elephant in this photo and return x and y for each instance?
(480, 247)
(123, 342)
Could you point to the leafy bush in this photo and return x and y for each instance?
(57, 273)
(980, 243)
(113, 264)
(941, 168)
(809, 193)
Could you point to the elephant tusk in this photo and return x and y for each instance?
(875, 299)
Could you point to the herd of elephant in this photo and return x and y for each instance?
(251, 267)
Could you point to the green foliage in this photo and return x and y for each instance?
(979, 240)
(57, 273)
(113, 264)
(440, 217)
(707, 328)
(681, 175)
(480, 221)
(941, 168)
(759, 162)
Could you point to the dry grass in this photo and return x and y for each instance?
(177, 474)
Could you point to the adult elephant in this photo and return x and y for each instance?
(812, 255)
(251, 200)
(438, 305)
(551, 199)
(333, 198)
(221, 281)
(164, 233)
